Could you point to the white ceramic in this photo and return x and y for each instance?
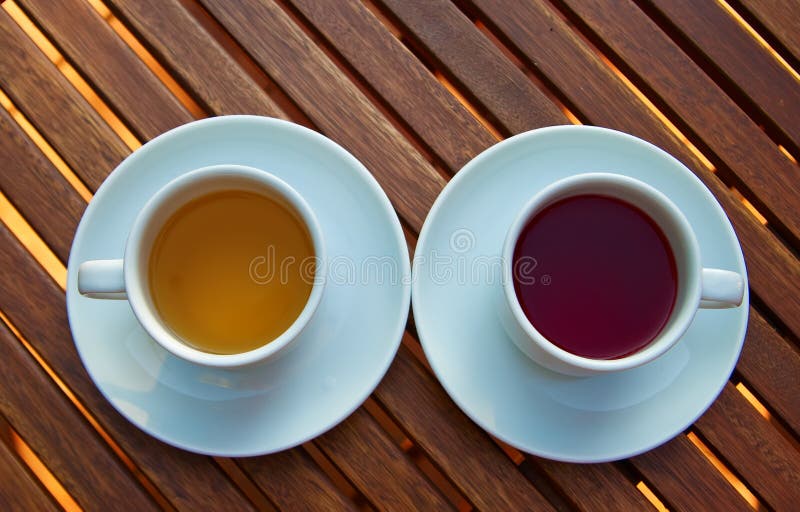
(579, 419)
(334, 364)
(697, 286)
(127, 278)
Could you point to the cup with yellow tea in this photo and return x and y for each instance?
(223, 266)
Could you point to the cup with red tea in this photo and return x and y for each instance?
(603, 273)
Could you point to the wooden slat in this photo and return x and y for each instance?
(55, 108)
(403, 82)
(700, 105)
(192, 55)
(380, 470)
(333, 103)
(78, 458)
(35, 305)
(294, 482)
(686, 479)
(583, 78)
(18, 490)
(264, 106)
(767, 460)
(96, 51)
(781, 18)
(620, 109)
(464, 452)
(712, 31)
(595, 486)
(37, 189)
(772, 369)
(472, 62)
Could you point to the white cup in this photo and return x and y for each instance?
(127, 278)
(698, 287)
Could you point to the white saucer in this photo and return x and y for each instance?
(592, 419)
(338, 360)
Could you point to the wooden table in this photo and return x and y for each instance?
(414, 89)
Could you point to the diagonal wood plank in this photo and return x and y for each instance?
(143, 26)
(380, 470)
(187, 480)
(588, 79)
(55, 108)
(307, 488)
(714, 33)
(303, 463)
(303, 469)
(194, 58)
(625, 111)
(771, 367)
(18, 490)
(595, 486)
(37, 189)
(700, 106)
(767, 460)
(334, 104)
(688, 482)
(37, 409)
(463, 451)
(475, 64)
(781, 18)
(403, 82)
(95, 50)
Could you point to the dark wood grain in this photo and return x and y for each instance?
(727, 46)
(94, 49)
(380, 470)
(35, 305)
(18, 490)
(767, 460)
(622, 110)
(771, 367)
(781, 18)
(37, 189)
(333, 103)
(472, 62)
(78, 458)
(298, 491)
(171, 33)
(687, 479)
(595, 486)
(55, 108)
(404, 83)
(463, 451)
(293, 481)
(582, 76)
(700, 107)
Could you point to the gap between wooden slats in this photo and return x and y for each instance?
(179, 92)
(426, 467)
(771, 203)
(36, 246)
(769, 97)
(26, 456)
(69, 72)
(778, 29)
(451, 85)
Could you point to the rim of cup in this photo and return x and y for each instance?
(683, 245)
(164, 203)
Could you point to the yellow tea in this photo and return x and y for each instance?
(229, 271)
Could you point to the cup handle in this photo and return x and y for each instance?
(101, 279)
(721, 289)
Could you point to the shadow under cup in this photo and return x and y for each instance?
(163, 206)
(680, 238)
